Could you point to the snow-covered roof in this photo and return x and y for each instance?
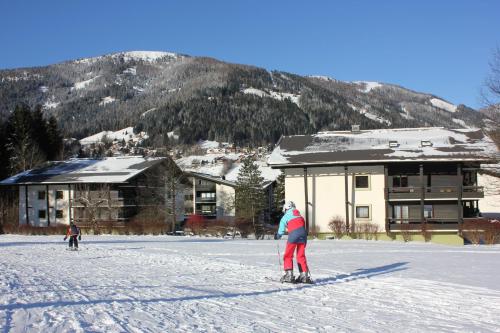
(84, 170)
(371, 146)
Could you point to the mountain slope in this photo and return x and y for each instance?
(203, 98)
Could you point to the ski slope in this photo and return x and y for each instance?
(192, 284)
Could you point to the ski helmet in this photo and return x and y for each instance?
(288, 205)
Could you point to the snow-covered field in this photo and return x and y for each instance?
(191, 284)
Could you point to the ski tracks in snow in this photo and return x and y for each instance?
(152, 284)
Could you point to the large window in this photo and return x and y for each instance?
(363, 212)
(362, 182)
(41, 195)
(400, 181)
(59, 194)
(208, 196)
(59, 214)
(428, 211)
(400, 213)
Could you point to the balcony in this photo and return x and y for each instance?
(433, 192)
(436, 224)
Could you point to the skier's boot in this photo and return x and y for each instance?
(288, 277)
(304, 277)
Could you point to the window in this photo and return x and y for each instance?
(208, 196)
(428, 211)
(42, 213)
(425, 143)
(400, 181)
(363, 212)
(393, 144)
(188, 197)
(207, 209)
(400, 213)
(59, 214)
(59, 194)
(362, 182)
(41, 195)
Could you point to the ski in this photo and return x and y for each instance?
(287, 283)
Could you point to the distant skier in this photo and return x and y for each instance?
(297, 240)
(74, 235)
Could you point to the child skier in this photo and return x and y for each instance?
(297, 240)
(74, 235)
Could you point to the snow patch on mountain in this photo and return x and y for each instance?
(84, 84)
(107, 100)
(131, 70)
(146, 56)
(50, 104)
(147, 111)
(368, 85)
(460, 122)
(406, 114)
(273, 94)
(369, 115)
(439, 103)
(44, 89)
(322, 77)
(126, 134)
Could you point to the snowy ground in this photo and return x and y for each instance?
(190, 284)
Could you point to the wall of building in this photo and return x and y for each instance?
(35, 205)
(326, 194)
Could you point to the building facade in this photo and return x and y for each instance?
(396, 179)
(114, 189)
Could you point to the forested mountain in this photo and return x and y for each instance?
(203, 98)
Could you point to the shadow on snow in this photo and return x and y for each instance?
(342, 278)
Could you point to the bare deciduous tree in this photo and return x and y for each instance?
(93, 197)
(492, 84)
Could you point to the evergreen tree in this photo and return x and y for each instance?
(54, 139)
(4, 167)
(24, 152)
(39, 130)
(279, 197)
(250, 198)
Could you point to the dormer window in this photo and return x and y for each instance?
(393, 144)
(425, 143)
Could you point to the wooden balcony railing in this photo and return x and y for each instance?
(434, 192)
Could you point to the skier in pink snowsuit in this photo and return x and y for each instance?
(297, 240)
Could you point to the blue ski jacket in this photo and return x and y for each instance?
(294, 222)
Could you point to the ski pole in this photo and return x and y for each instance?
(279, 255)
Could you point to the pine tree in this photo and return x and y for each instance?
(250, 198)
(54, 139)
(24, 152)
(279, 197)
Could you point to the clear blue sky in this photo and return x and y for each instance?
(442, 47)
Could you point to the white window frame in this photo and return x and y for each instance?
(369, 218)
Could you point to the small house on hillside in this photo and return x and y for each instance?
(113, 189)
(388, 177)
